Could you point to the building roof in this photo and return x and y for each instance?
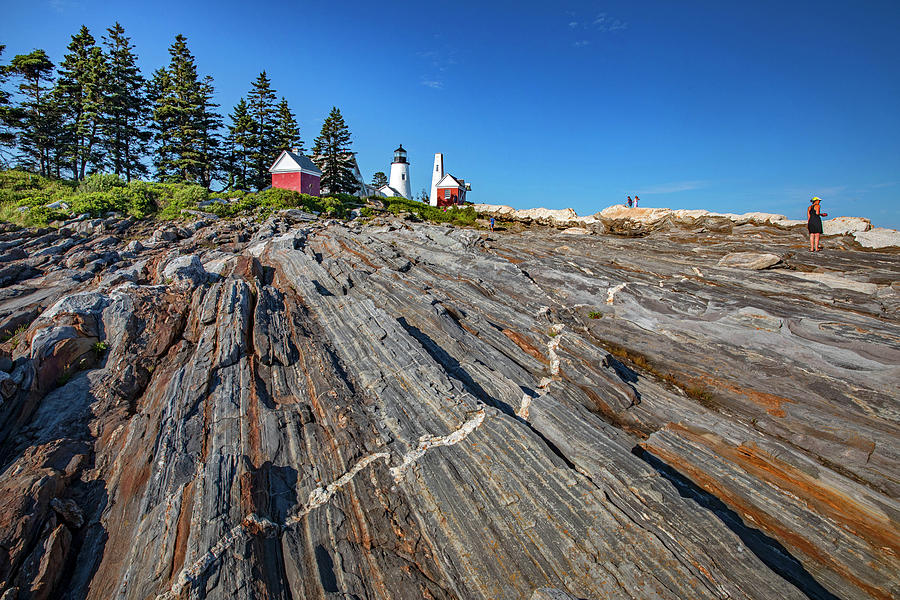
(449, 181)
(389, 191)
(291, 162)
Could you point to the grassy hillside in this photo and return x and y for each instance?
(34, 201)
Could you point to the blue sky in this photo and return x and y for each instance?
(727, 106)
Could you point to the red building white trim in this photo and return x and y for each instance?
(294, 171)
(450, 190)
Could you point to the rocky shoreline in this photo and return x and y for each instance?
(630, 405)
(639, 221)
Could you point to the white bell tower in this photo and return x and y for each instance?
(400, 173)
(436, 175)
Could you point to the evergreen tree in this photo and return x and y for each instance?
(240, 144)
(79, 95)
(379, 180)
(264, 116)
(36, 117)
(7, 118)
(210, 122)
(333, 156)
(162, 124)
(125, 133)
(184, 121)
(287, 132)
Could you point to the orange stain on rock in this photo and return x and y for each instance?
(872, 527)
(523, 343)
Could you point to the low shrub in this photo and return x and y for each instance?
(40, 216)
(16, 180)
(100, 182)
(97, 203)
(140, 199)
(279, 199)
(457, 215)
(191, 194)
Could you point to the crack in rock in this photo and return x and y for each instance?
(551, 349)
(254, 524)
(426, 442)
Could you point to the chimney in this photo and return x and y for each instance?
(295, 150)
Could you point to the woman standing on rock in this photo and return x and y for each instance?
(814, 224)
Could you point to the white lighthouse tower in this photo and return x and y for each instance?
(436, 175)
(400, 173)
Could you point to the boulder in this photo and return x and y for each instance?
(845, 225)
(749, 260)
(69, 511)
(878, 237)
(165, 233)
(185, 270)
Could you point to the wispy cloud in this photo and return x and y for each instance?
(602, 22)
(64, 5)
(807, 191)
(438, 62)
(673, 187)
(582, 43)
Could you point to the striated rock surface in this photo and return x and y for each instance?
(317, 409)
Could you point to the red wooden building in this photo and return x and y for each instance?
(294, 171)
(451, 190)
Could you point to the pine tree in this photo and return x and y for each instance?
(162, 125)
(125, 133)
(287, 132)
(333, 156)
(263, 114)
(210, 122)
(379, 180)
(240, 143)
(184, 121)
(80, 94)
(7, 119)
(36, 113)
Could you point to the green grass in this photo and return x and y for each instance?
(15, 337)
(24, 200)
(456, 215)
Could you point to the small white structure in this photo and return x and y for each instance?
(399, 180)
(436, 175)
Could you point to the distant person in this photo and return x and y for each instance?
(636, 201)
(814, 224)
(492, 224)
(629, 202)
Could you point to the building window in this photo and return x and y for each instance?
(447, 194)
(402, 176)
